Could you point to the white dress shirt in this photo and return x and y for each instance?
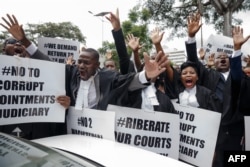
(187, 97)
(86, 95)
(149, 99)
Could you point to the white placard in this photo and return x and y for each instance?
(59, 49)
(91, 122)
(28, 90)
(154, 131)
(198, 134)
(219, 43)
(247, 132)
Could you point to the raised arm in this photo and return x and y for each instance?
(193, 26)
(120, 44)
(16, 30)
(156, 37)
(134, 44)
(155, 67)
(238, 38)
(235, 61)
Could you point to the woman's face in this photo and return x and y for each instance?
(189, 77)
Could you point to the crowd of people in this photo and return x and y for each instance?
(221, 84)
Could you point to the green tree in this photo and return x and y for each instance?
(137, 24)
(173, 15)
(64, 30)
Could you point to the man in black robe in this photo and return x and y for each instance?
(232, 123)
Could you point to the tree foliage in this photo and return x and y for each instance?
(137, 24)
(64, 30)
(173, 15)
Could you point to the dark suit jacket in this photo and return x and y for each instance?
(110, 85)
(210, 78)
(126, 65)
(241, 89)
(244, 96)
(134, 100)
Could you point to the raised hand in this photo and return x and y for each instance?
(156, 36)
(16, 30)
(114, 20)
(210, 61)
(238, 38)
(70, 60)
(13, 27)
(133, 42)
(193, 24)
(153, 67)
(202, 53)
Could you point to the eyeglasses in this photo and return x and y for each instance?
(12, 41)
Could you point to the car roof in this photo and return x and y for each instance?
(19, 152)
(109, 153)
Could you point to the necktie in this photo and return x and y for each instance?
(220, 87)
(82, 100)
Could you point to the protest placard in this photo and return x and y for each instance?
(247, 132)
(198, 134)
(59, 49)
(218, 43)
(29, 89)
(91, 122)
(154, 131)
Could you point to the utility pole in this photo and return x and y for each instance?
(200, 8)
(100, 14)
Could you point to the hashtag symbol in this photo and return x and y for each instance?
(45, 45)
(121, 122)
(6, 70)
(79, 121)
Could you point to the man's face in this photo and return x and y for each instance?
(14, 47)
(221, 62)
(87, 65)
(110, 65)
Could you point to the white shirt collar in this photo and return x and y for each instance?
(149, 99)
(225, 74)
(188, 97)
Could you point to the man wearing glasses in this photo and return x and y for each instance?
(12, 47)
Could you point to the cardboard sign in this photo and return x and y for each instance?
(90, 122)
(198, 134)
(154, 131)
(29, 89)
(59, 49)
(247, 132)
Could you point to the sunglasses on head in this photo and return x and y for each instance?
(12, 41)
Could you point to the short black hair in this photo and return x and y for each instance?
(189, 64)
(94, 52)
